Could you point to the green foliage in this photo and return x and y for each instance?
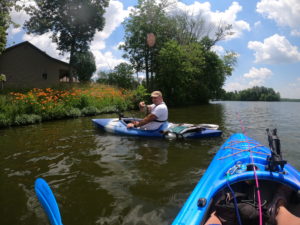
(48, 104)
(85, 66)
(5, 120)
(151, 17)
(179, 67)
(25, 119)
(139, 95)
(189, 74)
(253, 94)
(5, 20)
(73, 112)
(90, 111)
(121, 76)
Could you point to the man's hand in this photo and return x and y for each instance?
(142, 105)
(133, 124)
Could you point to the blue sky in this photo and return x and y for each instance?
(266, 39)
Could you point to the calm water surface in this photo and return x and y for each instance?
(100, 178)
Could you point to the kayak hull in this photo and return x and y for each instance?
(233, 158)
(117, 126)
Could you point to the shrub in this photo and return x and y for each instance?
(24, 119)
(75, 101)
(139, 95)
(73, 112)
(90, 111)
(55, 112)
(5, 121)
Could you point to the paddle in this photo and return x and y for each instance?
(47, 200)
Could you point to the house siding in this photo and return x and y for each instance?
(25, 66)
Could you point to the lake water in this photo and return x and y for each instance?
(99, 178)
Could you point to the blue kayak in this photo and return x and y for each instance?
(234, 167)
(166, 130)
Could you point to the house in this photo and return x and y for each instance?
(26, 66)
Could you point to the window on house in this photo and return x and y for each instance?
(45, 76)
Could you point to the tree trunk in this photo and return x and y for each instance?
(71, 71)
(147, 68)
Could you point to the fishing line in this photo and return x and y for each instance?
(255, 175)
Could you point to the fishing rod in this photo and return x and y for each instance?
(255, 176)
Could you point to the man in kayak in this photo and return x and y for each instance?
(157, 113)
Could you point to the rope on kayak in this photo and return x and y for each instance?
(255, 175)
(234, 201)
(249, 149)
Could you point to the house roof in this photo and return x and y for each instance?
(36, 48)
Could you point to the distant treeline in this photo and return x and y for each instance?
(289, 100)
(252, 94)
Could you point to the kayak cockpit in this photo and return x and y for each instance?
(239, 201)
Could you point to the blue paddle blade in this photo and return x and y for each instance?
(47, 200)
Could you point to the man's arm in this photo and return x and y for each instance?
(147, 119)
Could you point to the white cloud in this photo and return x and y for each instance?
(116, 47)
(19, 17)
(106, 60)
(235, 86)
(257, 76)
(274, 49)
(257, 24)
(218, 49)
(295, 33)
(229, 16)
(114, 16)
(261, 73)
(290, 91)
(256, 82)
(283, 12)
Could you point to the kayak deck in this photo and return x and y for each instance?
(166, 130)
(233, 165)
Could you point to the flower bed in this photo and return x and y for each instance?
(46, 104)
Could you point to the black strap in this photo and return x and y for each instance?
(160, 121)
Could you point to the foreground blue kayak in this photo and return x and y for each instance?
(233, 170)
(166, 130)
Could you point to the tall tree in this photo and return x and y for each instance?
(5, 7)
(190, 74)
(148, 19)
(73, 23)
(84, 64)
